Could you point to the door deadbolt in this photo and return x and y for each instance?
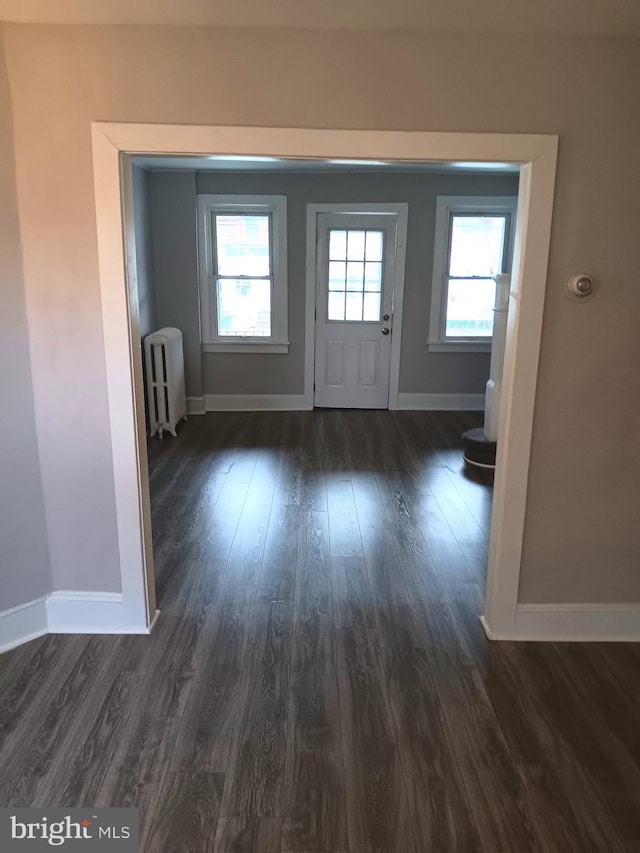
(385, 317)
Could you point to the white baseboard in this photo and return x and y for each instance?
(442, 402)
(71, 612)
(67, 612)
(588, 623)
(23, 623)
(256, 402)
(195, 406)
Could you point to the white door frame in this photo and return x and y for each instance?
(536, 155)
(401, 211)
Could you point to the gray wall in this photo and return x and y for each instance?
(175, 264)
(25, 572)
(144, 249)
(420, 370)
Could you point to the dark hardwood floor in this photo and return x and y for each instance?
(318, 679)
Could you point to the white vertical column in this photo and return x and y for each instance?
(494, 385)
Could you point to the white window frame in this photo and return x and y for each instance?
(276, 207)
(448, 206)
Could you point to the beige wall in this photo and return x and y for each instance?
(25, 573)
(582, 513)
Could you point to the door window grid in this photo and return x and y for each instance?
(355, 275)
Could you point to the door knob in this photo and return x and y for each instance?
(385, 331)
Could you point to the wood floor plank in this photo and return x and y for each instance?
(344, 528)
(205, 731)
(86, 752)
(37, 743)
(314, 801)
(353, 604)
(467, 533)
(278, 573)
(204, 740)
(369, 503)
(393, 608)
(485, 771)
(35, 669)
(471, 484)
(254, 783)
(565, 820)
(289, 478)
(313, 486)
(313, 590)
(517, 692)
(213, 529)
(440, 814)
(186, 816)
(378, 817)
(166, 682)
(443, 546)
(248, 835)
(332, 444)
(138, 768)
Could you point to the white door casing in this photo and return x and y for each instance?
(355, 274)
(535, 154)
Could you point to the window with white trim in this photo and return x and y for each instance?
(242, 244)
(473, 243)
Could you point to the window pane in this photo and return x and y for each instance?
(354, 306)
(355, 274)
(242, 245)
(244, 307)
(335, 308)
(371, 306)
(470, 308)
(372, 276)
(476, 245)
(374, 245)
(338, 245)
(355, 246)
(337, 274)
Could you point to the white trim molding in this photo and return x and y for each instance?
(441, 402)
(22, 623)
(534, 154)
(275, 208)
(275, 348)
(72, 612)
(588, 623)
(196, 406)
(448, 206)
(256, 402)
(68, 612)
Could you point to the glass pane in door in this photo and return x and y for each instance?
(355, 275)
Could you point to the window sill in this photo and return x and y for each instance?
(459, 346)
(248, 346)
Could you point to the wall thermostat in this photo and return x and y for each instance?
(581, 287)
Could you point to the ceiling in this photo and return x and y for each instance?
(543, 17)
(271, 164)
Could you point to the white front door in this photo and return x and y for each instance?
(355, 272)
